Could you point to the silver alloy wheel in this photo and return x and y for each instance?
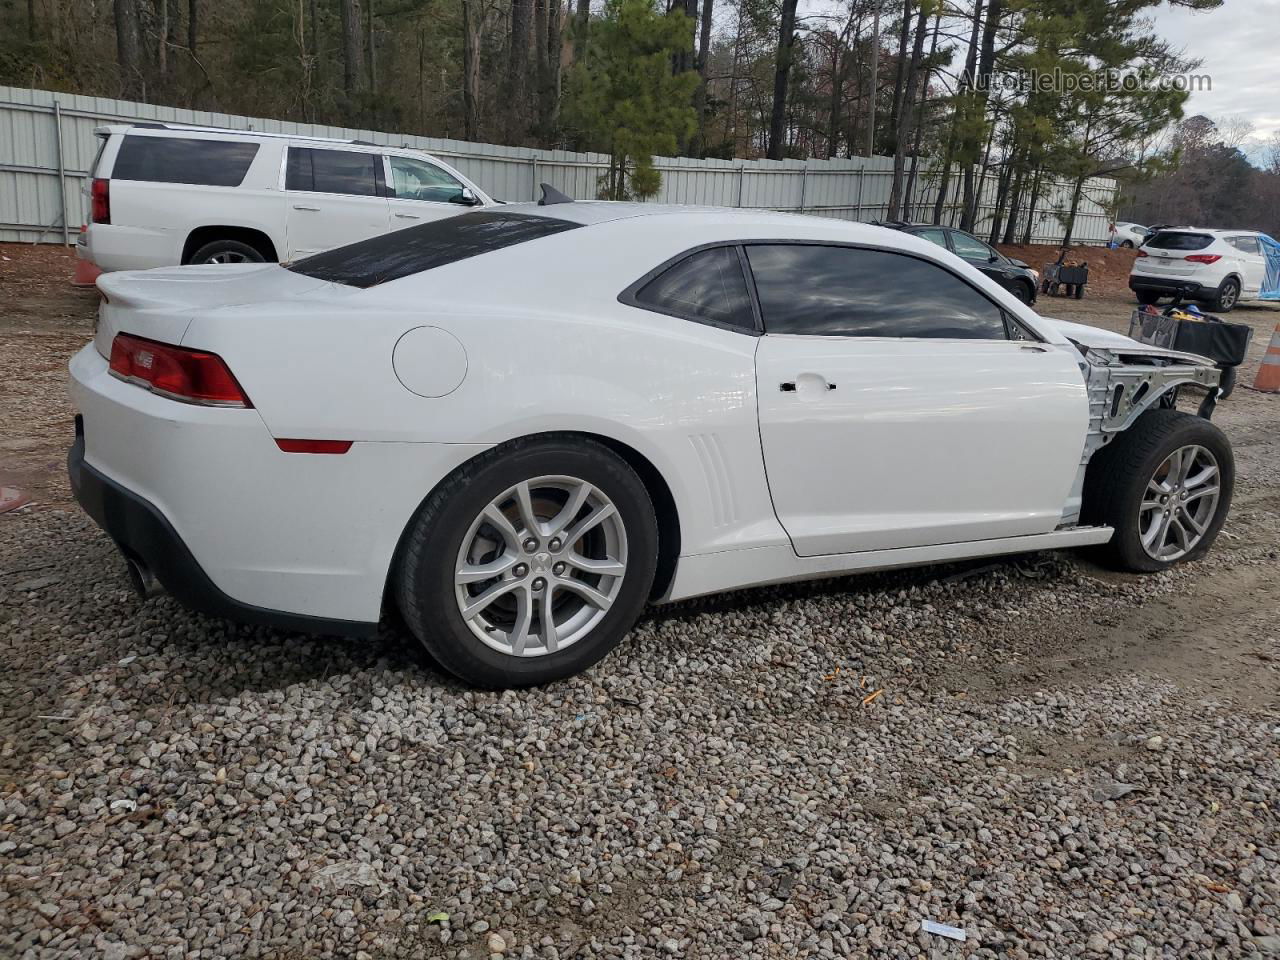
(1180, 503)
(1229, 297)
(541, 566)
(228, 256)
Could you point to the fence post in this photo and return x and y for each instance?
(804, 179)
(62, 174)
(533, 168)
(862, 175)
(742, 175)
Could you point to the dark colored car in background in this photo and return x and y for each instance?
(1014, 275)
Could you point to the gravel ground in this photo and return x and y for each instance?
(1059, 760)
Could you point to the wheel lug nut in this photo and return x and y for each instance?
(555, 544)
(530, 545)
(520, 570)
(539, 583)
(558, 569)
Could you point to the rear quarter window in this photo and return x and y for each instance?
(403, 253)
(201, 162)
(1173, 240)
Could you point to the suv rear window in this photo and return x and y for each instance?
(209, 163)
(1175, 240)
(406, 252)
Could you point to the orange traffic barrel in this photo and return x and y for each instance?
(1269, 373)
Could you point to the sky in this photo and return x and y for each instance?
(1238, 44)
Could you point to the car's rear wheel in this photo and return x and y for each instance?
(1024, 291)
(1147, 297)
(529, 563)
(1127, 244)
(1227, 297)
(227, 251)
(1165, 486)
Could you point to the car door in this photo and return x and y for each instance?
(897, 410)
(335, 197)
(1253, 266)
(981, 256)
(421, 191)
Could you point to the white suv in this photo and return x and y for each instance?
(1217, 267)
(162, 195)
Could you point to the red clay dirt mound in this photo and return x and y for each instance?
(1108, 269)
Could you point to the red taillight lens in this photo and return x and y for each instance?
(1204, 258)
(192, 376)
(314, 446)
(101, 195)
(1143, 253)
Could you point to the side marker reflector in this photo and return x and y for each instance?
(314, 446)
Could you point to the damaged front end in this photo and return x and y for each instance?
(1125, 379)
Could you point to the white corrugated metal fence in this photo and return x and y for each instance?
(47, 147)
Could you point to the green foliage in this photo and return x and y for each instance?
(622, 98)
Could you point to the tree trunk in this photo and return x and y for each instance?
(1031, 207)
(873, 87)
(31, 19)
(781, 74)
(370, 46)
(128, 49)
(470, 69)
(703, 58)
(837, 96)
(986, 63)
(906, 113)
(551, 91)
(1015, 200)
(518, 69)
(899, 83)
(1075, 208)
(581, 21)
(193, 18)
(353, 66)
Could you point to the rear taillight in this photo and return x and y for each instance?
(191, 376)
(1204, 258)
(1143, 253)
(100, 192)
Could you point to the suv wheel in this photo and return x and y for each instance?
(1165, 486)
(529, 563)
(227, 251)
(1228, 296)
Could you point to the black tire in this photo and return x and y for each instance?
(1117, 481)
(1227, 297)
(424, 579)
(1147, 297)
(1079, 291)
(1227, 384)
(1025, 292)
(239, 252)
(1127, 244)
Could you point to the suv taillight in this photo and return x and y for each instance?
(1204, 258)
(1143, 253)
(101, 195)
(191, 376)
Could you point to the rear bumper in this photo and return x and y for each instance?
(144, 536)
(1168, 286)
(117, 247)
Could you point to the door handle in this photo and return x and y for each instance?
(407, 216)
(790, 386)
(298, 206)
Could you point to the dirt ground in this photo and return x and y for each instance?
(1202, 642)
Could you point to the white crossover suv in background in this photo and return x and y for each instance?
(163, 195)
(1217, 267)
(520, 425)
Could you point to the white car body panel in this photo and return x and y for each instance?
(980, 443)
(152, 221)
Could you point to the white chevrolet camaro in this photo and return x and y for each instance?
(520, 425)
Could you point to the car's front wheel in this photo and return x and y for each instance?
(1165, 486)
(529, 563)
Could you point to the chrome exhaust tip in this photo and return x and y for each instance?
(144, 582)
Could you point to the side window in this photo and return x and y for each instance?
(332, 171)
(208, 163)
(708, 285)
(934, 236)
(850, 292)
(1245, 244)
(417, 180)
(969, 247)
